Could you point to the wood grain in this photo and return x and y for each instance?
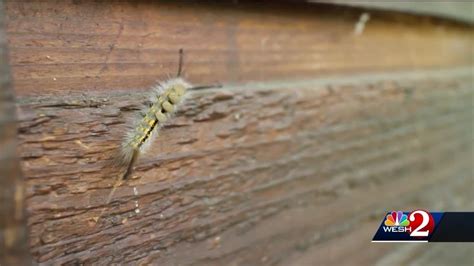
(60, 47)
(239, 160)
(315, 133)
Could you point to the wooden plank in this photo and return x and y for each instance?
(235, 160)
(14, 249)
(131, 45)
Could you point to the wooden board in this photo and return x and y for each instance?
(316, 132)
(62, 48)
(245, 166)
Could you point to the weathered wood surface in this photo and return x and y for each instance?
(14, 248)
(59, 47)
(294, 170)
(248, 167)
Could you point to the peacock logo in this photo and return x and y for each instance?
(397, 218)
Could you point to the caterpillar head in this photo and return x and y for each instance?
(176, 89)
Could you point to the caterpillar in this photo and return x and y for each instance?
(165, 100)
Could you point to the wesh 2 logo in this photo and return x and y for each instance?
(418, 223)
(401, 226)
(424, 226)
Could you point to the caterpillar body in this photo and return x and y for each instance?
(165, 99)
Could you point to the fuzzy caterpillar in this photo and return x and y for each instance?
(165, 99)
